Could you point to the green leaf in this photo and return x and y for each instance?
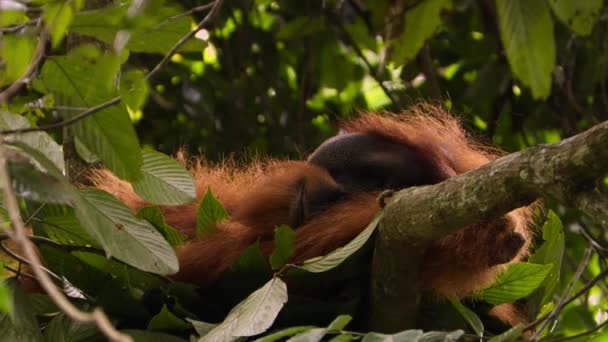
(421, 23)
(414, 335)
(40, 141)
(86, 82)
(67, 230)
(513, 334)
(339, 323)
(469, 316)
(57, 18)
(526, 31)
(335, 258)
(150, 336)
(579, 16)
(134, 89)
(550, 252)
(210, 213)
(284, 238)
(154, 215)
(312, 335)
(151, 32)
(520, 280)
(62, 328)
(123, 236)
(282, 334)
(6, 301)
(252, 316)
(31, 183)
(16, 52)
(251, 261)
(109, 134)
(165, 320)
(20, 324)
(202, 328)
(300, 27)
(164, 180)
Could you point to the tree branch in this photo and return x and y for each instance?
(416, 216)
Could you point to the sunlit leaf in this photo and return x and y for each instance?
(421, 22)
(526, 31)
(134, 89)
(579, 16)
(519, 281)
(57, 18)
(16, 52)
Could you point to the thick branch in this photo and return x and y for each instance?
(416, 216)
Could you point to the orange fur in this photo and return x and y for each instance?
(259, 197)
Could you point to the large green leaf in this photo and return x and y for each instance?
(414, 335)
(526, 31)
(83, 81)
(579, 16)
(62, 328)
(110, 222)
(520, 280)
(164, 180)
(335, 258)
(40, 141)
(20, 324)
(123, 236)
(109, 134)
(253, 315)
(421, 22)
(151, 32)
(469, 316)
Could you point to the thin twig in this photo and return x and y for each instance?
(580, 292)
(208, 18)
(18, 235)
(19, 272)
(372, 71)
(560, 305)
(16, 28)
(31, 69)
(586, 333)
(181, 15)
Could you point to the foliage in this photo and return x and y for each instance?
(272, 77)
